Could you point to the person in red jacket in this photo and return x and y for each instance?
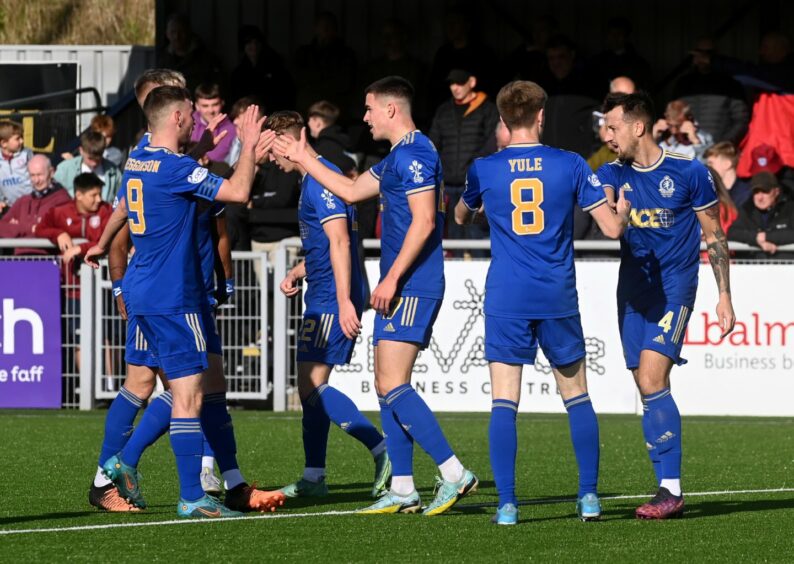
(26, 213)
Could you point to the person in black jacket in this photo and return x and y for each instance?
(767, 219)
(326, 137)
(461, 131)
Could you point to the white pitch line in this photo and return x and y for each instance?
(351, 512)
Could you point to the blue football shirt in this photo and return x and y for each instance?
(411, 167)
(529, 191)
(316, 207)
(162, 190)
(206, 245)
(660, 248)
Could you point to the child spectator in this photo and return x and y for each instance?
(327, 138)
(104, 124)
(92, 147)
(14, 178)
(723, 157)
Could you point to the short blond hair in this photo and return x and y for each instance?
(519, 102)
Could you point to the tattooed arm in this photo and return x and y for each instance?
(717, 249)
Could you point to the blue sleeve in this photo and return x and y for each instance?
(472, 197)
(377, 170)
(701, 186)
(326, 205)
(606, 175)
(417, 169)
(194, 179)
(589, 192)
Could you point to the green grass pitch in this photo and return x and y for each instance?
(47, 460)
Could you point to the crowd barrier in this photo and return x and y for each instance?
(259, 329)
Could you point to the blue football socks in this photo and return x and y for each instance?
(416, 418)
(503, 444)
(153, 425)
(399, 444)
(653, 452)
(187, 443)
(219, 431)
(584, 436)
(119, 423)
(316, 424)
(665, 426)
(344, 413)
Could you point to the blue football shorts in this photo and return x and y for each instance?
(410, 321)
(137, 350)
(178, 340)
(659, 328)
(516, 341)
(322, 340)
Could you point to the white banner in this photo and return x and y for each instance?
(747, 374)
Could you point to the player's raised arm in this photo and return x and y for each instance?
(423, 206)
(363, 188)
(238, 188)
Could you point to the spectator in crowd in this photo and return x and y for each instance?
(185, 53)
(767, 219)
(397, 61)
(776, 60)
(92, 147)
(567, 74)
(528, 60)
(326, 137)
(620, 58)
(261, 72)
(104, 124)
(765, 158)
(722, 158)
(460, 51)
(238, 109)
(461, 130)
(84, 217)
(679, 132)
(209, 105)
(715, 97)
(326, 68)
(14, 177)
(273, 211)
(727, 206)
(26, 213)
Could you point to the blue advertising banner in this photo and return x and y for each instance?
(30, 334)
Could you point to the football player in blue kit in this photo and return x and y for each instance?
(411, 287)
(334, 302)
(673, 199)
(528, 191)
(164, 289)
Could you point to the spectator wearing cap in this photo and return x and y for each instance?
(26, 213)
(461, 130)
(722, 157)
(765, 158)
(90, 159)
(767, 219)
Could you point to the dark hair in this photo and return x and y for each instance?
(395, 86)
(161, 98)
(519, 102)
(637, 106)
(160, 77)
(87, 181)
(285, 120)
(103, 124)
(560, 40)
(208, 91)
(324, 110)
(247, 33)
(242, 104)
(9, 128)
(93, 143)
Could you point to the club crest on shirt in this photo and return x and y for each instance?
(666, 187)
(416, 170)
(329, 199)
(197, 175)
(594, 181)
(94, 221)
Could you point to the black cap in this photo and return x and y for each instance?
(459, 76)
(764, 181)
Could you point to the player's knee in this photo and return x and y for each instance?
(140, 381)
